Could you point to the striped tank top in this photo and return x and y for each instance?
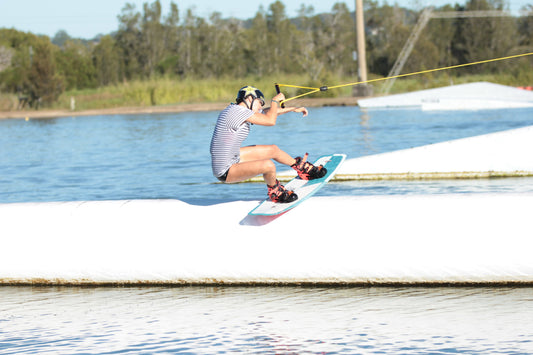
(230, 131)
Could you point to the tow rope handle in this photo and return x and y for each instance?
(279, 91)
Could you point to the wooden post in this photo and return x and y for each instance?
(361, 52)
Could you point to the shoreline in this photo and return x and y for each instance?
(217, 106)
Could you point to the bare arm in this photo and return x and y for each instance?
(281, 111)
(270, 114)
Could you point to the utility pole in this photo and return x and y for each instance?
(361, 89)
(361, 53)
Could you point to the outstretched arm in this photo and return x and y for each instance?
(269, 115)
(281, 111)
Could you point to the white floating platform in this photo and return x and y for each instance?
(501, 154)
(456, 239)
(472, 96)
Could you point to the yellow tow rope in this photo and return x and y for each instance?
(325, 88)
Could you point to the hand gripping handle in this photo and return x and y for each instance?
(278, 91)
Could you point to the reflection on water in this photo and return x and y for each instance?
(266, 320)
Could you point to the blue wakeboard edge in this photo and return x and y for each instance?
(303, 188)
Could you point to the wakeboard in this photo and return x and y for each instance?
(303, 188)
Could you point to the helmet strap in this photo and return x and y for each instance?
(251, 104)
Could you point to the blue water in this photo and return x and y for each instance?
(278, 320)
(167, 156)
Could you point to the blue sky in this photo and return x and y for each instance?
(86, 19)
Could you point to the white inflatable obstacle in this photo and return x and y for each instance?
(471, 96)
(501, 154)
(463, 238)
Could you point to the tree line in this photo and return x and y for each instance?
(149, 44)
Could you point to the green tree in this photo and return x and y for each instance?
(187, 41)
(60, 38)
(169, 64)
(44, 81)
(441, 31)
(306, 54)
(200, 47)
(128, 39)
(526, 27)
(75, 65)
(342, 40)
(280, 38)
(255, 47)
(484, 37)
(390, 27)
(152, 45)
(19, 47)
(32, 70)
(522, 67)
(106, 61)
(222, 55)
(425, 53)
(6, 55)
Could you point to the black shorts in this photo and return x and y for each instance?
(223, 177)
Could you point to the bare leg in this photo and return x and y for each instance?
(258, 152)
(256, 160)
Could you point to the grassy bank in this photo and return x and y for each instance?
(166, 91)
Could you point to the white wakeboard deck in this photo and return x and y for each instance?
(303, 188)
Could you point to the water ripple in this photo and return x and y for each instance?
(266, 320)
